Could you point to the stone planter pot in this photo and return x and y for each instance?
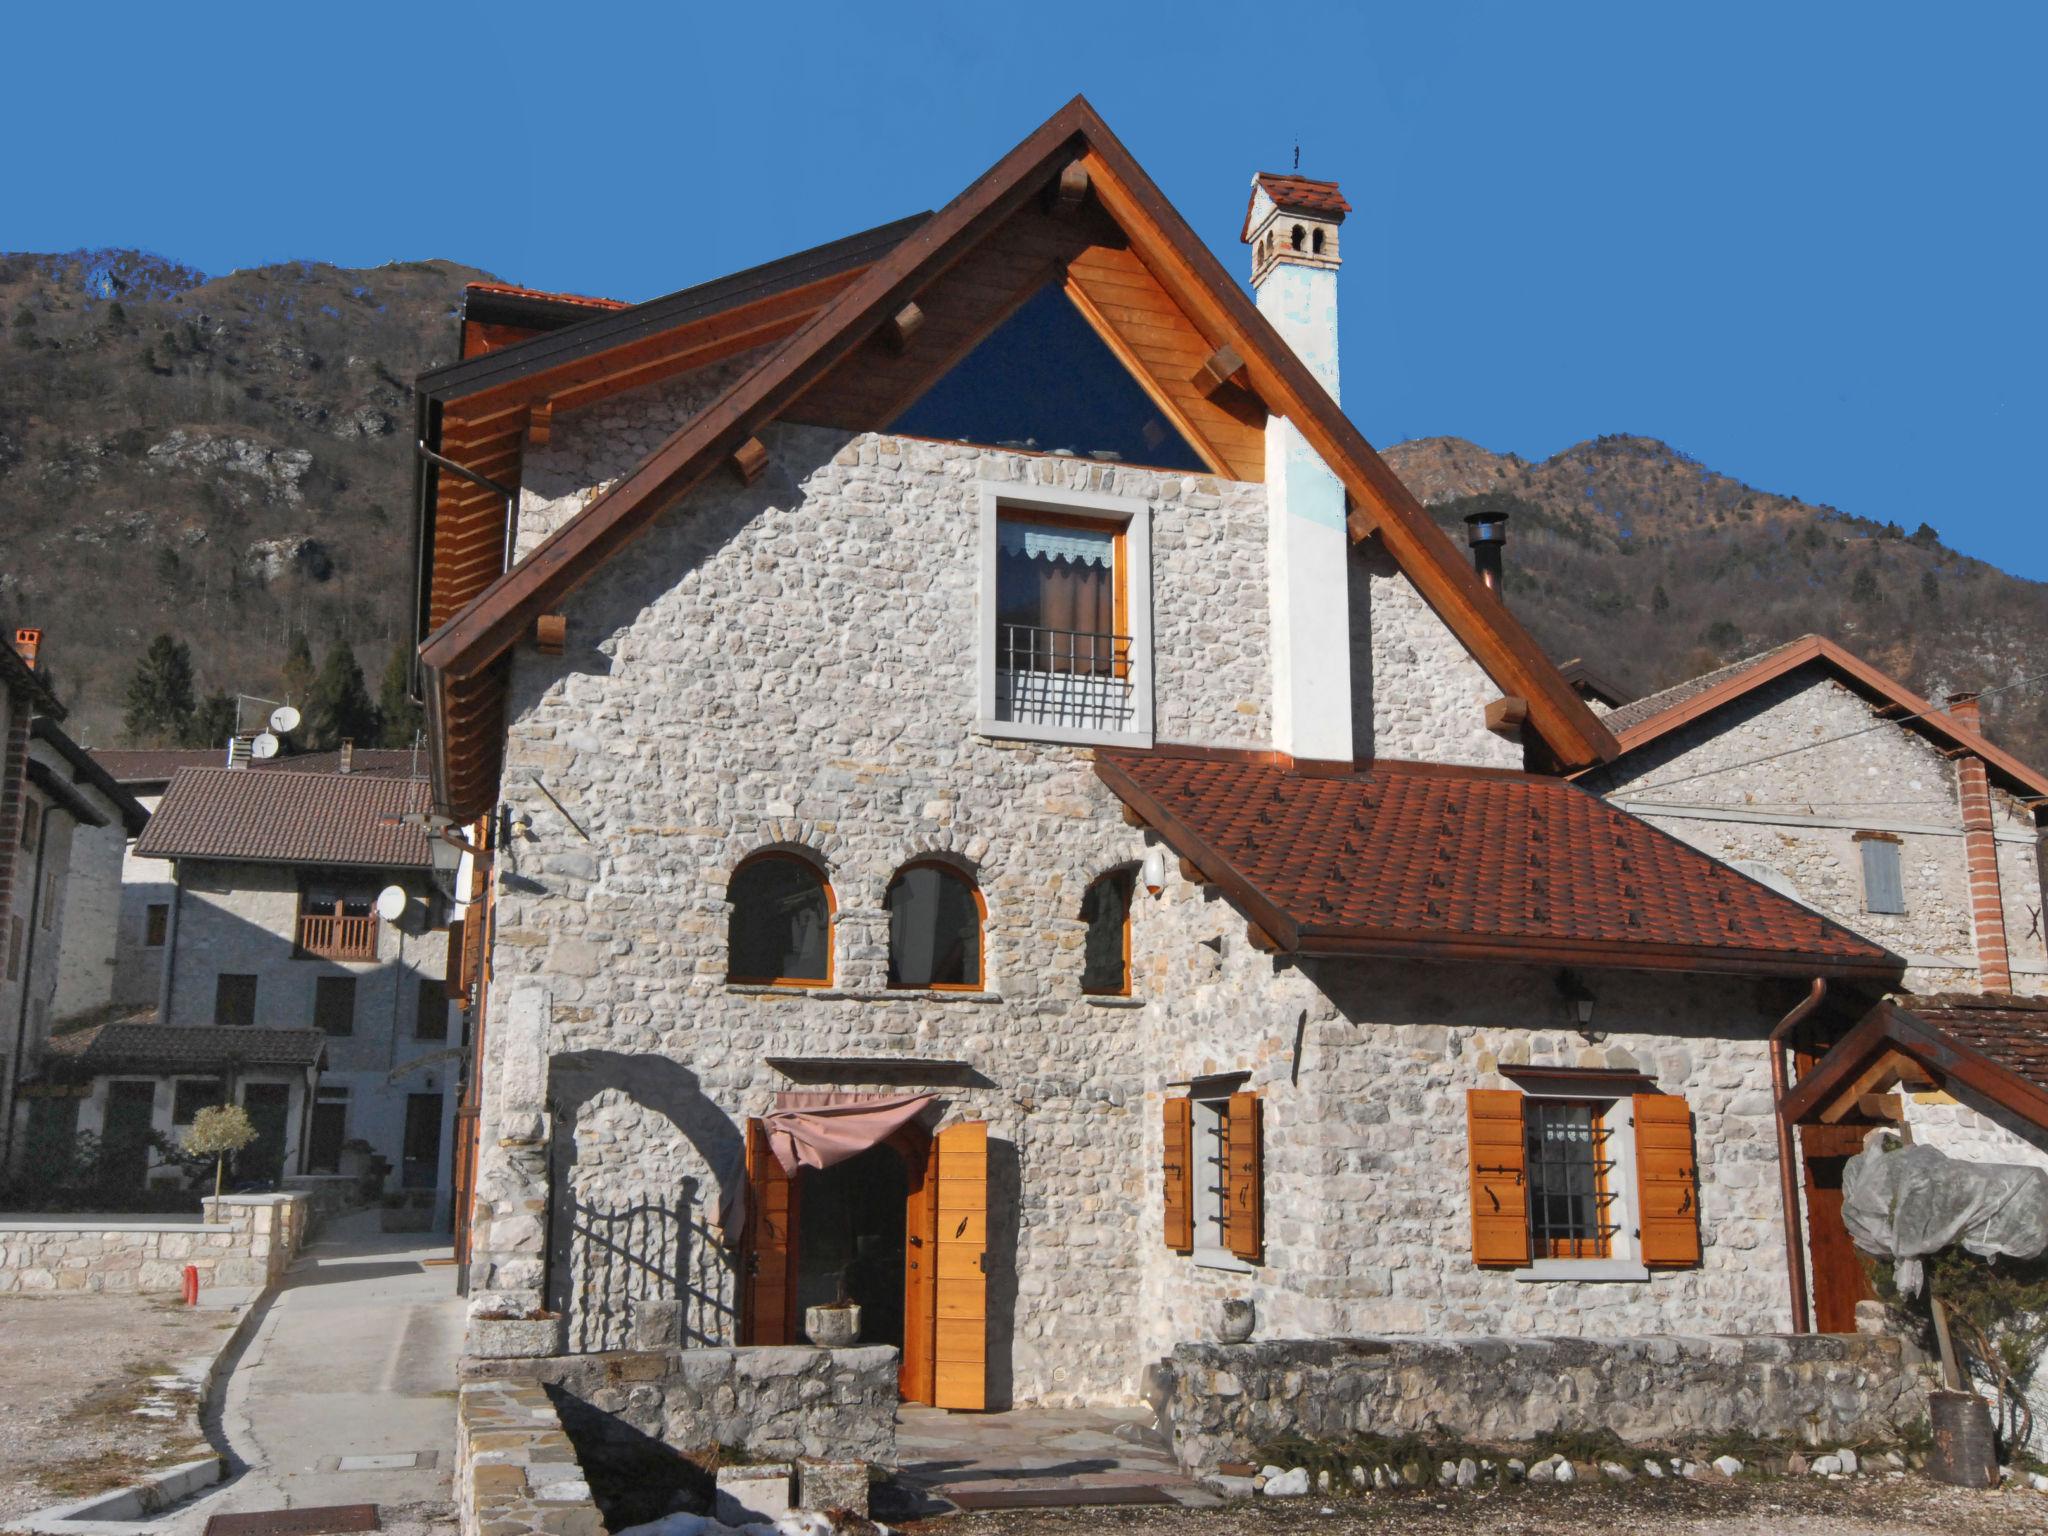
(1235, 1320)
(833, 1327)
(513, 1338)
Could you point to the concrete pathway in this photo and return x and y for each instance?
(1057, 1454)
(346, 1394)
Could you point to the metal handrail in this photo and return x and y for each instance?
(1088, 652)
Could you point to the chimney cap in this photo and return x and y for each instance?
(1486, 528)
(1298, 195)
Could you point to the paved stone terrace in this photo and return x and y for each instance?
(1051, 1451)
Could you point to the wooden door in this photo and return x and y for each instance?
(920, 1262)
(124, 1136)
(768, 1303)
(269, 1108)
(1839, 1278)
(960, 1303)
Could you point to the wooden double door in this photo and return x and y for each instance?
(944, 1258)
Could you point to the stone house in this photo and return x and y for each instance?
(63, 824)
(1825, 778)
(300, 953)
(1042, 834)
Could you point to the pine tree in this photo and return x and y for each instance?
(397, 710)
(212, 723)
(297, 673)
(338, 706)
(1660, 600)
(160, 694)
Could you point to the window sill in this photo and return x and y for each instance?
(1583, 1269)
(1110, 1000)
(781, 989)
(1061, 735)
(1223, 1259)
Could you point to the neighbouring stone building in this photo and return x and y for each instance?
(1824, 778)
(298, 944)
(63, 825)
(1040, 834)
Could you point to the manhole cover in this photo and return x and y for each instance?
(317, 1520)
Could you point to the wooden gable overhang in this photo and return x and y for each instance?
(1069, 204)
(1892, 1046)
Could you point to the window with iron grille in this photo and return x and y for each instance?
(1066, 619)
(1571, 1194)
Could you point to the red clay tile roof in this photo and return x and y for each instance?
(513, 290)
(1417, 859)
(1989, 1052)
(142, 1043)
(1301, 192)
(263, 816)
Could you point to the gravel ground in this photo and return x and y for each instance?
(73, 1372)
(1906, 1506)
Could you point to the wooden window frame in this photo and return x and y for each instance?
(1607, 1202)
(1118, 530)
(1863, 841)
(980, 928)
(325, 985)
(1126, 871)
(255, 980)
(787, 855)
(1130, 518)
(156, 924)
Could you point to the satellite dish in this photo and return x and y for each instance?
(392, 902)
(263, 747)
(284, 719)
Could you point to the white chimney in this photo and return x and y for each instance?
(1292, 227)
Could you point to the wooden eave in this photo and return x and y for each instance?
(1961, 1070)
(465, 644)
(1867, 680)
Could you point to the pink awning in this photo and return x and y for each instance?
(817, 1130)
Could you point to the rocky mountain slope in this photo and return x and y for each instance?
(225, 459)
(1654, 568)
(221, 459)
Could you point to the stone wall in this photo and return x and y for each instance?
(773, 1403)
(1222, 1401)
(515, 1470)
(243, 1241)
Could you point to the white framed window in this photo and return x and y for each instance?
(1065, 616)
(1579, 1149)
(1209, 1188)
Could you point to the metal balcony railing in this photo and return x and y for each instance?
(1065, 677)
(337, 936)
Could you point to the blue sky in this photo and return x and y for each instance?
(1802, 243)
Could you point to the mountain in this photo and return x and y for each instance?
(222, 459)
(1654, 568)
(227, 458)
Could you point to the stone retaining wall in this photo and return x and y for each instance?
(515, 1471)
(242, 1240)
(779, 1403)
(1221, 1401)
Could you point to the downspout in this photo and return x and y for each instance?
(1788, 1169)
(28, 975)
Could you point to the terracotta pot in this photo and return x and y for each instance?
(1236, 1318)
(833, 1327)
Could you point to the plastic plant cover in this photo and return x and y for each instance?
(1906, 1202)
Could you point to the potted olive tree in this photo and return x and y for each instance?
(219, 1131)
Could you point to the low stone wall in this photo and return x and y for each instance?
(1219, 1402)
(839, 1404)
(515, 1471)
(241, 1240)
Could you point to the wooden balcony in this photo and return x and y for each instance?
(336, 936)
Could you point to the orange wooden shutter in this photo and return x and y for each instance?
(1667, 1180)
(1244, 1215)
(1500, 1184)
(960, 1338)
(1180, 1158)
(770, 1316)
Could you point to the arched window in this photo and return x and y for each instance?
(935, 916)
(1106, 957)
(781, 925)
